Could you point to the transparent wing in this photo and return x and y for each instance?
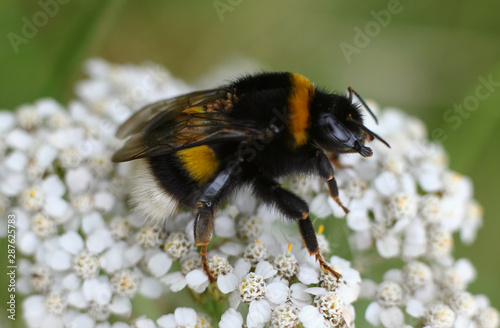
(165, 110)
(171, 127)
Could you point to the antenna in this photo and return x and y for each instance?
(351, 91)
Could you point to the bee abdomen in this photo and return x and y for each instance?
(147, 196)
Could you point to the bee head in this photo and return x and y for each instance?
(338, 124)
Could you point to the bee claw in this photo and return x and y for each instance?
(206, 268)
(327, 267)
(211, 278)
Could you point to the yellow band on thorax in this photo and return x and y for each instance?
(298, 103)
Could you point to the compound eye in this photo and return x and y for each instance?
(337, 130)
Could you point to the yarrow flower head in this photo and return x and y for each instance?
(87, 255)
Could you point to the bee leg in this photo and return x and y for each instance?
(296, 209)
(325, 170)
(309, 238)
(204, 216)
(203, 224)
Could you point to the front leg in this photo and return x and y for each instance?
(294, 208)
(325, 170)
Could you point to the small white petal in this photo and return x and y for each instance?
(51, 320)
(53, 186)
(71, 282)
(29, 242)
(16, 161)
(185, 317)
(462, 321)
(265, 270)
(13, 184)
(145, 323)
(55, 206)
(167, 321)
(82, 320)
(134, 254)
(259, 312)
(71, 242)
(159, 264)
(227, 282)
(62, 139)
(315, 290)
(78, 180)
(308, 275)
(386, 183)
(34, 310)
(319, 206)
(59, 260)
(368, 289)
(245, 202)
(98, 68)
(151, 287)
(372, 314)
(106, 324)
(89, 286)
(92, 221)
(277, 292)
(358, 220)
(415, 308)
(241, 268)
(19, 139)
(231, 319)
(99, 240)
(104, 201)
(466, 270)
(48, 106)
(311, 318)
(175, 280)
(197, 280)
(121, 306)
(7, 121)
(429, 178)
(112, 260)
(298, 294)
(45, 155)
(231, 248)
(482, 301)
(392, 317)
(388, 246)
(348, 293)
(395, 275)
(234, 299)
(348, 315)
(78, 300)
(224, 227)
(310, 259)
(102, 294)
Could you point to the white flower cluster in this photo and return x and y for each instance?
(85, 255)
(405, 203)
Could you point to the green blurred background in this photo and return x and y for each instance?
(422, 57)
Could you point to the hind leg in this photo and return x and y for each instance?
(204, 213)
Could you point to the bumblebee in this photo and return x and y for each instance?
(196, 149)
